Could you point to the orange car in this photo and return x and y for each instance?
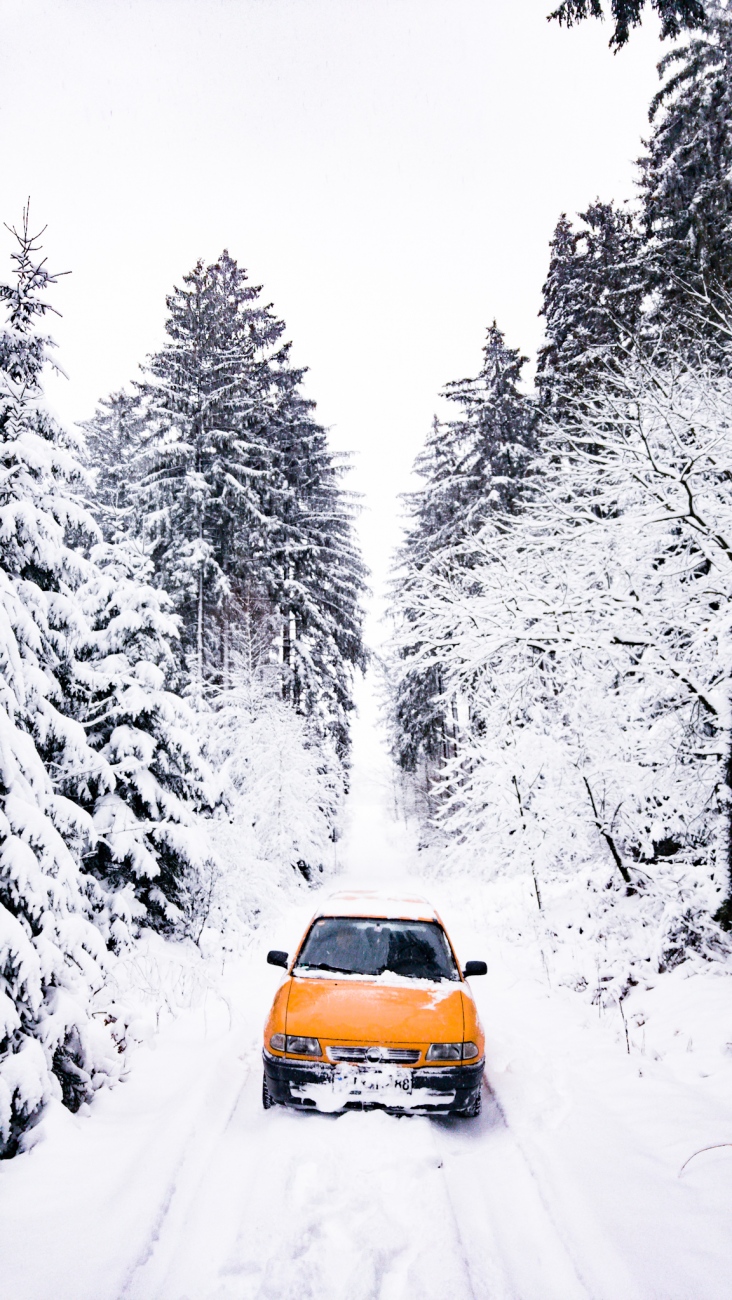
(374, 1011)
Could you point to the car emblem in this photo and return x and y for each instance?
(373, 1055)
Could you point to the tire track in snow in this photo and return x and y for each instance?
(281, 1205)
(201, 1136)
(314, 1207)
(513, 1247)
(289, 1206)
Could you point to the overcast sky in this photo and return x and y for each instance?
(390, 170)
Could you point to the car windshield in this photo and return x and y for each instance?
(350, 945)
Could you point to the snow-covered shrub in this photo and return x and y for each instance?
(282, 786)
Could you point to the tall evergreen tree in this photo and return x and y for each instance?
(50, 951)
(210, 477)
(237, 498)
(686, 178)
(592, 300)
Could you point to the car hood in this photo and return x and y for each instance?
(376, 1011)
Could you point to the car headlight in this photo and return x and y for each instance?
(444, 1052)
(452, 1052)
(277, 1042)
(299, 1046)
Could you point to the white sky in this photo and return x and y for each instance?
(390, 170)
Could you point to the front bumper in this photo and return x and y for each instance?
(439, 1090)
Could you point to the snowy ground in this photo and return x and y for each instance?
(177, 1186)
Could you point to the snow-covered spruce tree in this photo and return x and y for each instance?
(241, 494)
(51, 953)
(472, 465)
(477, 461)
(675, 15)
(316, 576)
(686, 179)
(151, 853)
(592, 300)
(591, 644)
(210, 476)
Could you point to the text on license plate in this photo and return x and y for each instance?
(359, 1083)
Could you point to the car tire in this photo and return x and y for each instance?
(268, 1100)
(473, 1108)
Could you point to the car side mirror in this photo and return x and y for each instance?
(475, 968)
(277, 958)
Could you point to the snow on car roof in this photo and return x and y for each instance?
(370, 902)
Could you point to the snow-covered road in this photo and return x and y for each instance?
(177, 1186)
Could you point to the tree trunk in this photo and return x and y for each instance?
(199, 631)
(723, 916)
(608, 839)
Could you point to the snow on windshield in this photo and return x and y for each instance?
(369, 946)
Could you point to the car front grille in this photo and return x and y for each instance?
(375, 1055)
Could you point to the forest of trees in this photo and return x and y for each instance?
(181, 607)
(180, 627)
(561, 662)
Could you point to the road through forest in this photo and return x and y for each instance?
(178, 1186)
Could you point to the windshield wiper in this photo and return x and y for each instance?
(337, 970)
(414, 973)
(324, 965)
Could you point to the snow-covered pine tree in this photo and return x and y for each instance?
(686, 180)
(473, 465)
(151, 853)
(592, 300)
(51, 954)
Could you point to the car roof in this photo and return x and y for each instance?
(371, 902)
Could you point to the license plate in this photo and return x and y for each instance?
(372, 1082)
